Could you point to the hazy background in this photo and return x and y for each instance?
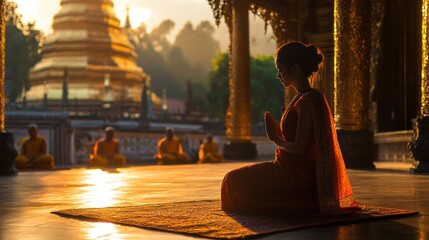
(177, 44)
(152, 12)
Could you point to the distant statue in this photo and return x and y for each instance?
(209, 152)
(106, 151)
(170, 150)
(33, 151)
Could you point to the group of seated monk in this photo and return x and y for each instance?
(33, 151)
(170, 150)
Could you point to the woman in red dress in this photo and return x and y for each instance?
(308, 174)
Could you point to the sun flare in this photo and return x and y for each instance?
(139, 15)
(103, 190)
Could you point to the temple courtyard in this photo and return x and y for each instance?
(28, 199)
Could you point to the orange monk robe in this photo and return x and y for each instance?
(106, 153)
(32, 154)
(171, 152)
(209, 153)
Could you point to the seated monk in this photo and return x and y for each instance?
(106, 151)
(209, 152)
(170, 150)
(33, 151)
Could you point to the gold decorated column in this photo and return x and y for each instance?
(238, 116)
(424, 108)
(352, 30)
(2, 61)
(7, 151)
(419, 145)
(239, 127)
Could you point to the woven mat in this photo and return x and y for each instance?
(206, 219)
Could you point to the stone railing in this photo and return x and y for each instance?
(392, 146)
(140, 147)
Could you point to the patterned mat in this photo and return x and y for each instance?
(206, 219)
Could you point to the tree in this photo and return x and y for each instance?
(34, 40)
(178, 65)
(198, 44)
(151, 58)
(159, 34)
(23, 51)
(218, 95)
(16, 55)
(266, 90)
(171, 66)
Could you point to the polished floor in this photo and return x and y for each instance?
(26, 201)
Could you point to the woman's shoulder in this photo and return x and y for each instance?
(314, 96)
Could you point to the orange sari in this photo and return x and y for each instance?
(313, 182)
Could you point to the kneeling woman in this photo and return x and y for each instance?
(308, 174)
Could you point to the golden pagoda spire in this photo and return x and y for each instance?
(127, 20)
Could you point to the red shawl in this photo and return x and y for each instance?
(333, 186)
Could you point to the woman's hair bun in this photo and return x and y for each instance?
(308, 57)
(314, 58)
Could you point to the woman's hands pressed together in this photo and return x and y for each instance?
(272, 128)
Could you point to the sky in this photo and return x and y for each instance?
(152, 12)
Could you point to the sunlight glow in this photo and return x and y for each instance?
(28, 9)
(98, 229)
(103, 190)
(139, 15)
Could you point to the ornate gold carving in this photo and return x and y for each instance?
(273, 12)
(2, 62)
(425, 60)
(351, 63)
(238, 116)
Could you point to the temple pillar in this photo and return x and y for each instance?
(419, 145)
(2, 62)
(321, 18)
(238, 117)
(293, 33)
(7, 151)
(352, 40)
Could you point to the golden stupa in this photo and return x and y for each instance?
(89, 49)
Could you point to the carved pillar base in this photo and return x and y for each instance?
(420, 168)
(239, 150)
(7, 155)
(419, 145)
(357, 148)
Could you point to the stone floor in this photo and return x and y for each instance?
(28, 199)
